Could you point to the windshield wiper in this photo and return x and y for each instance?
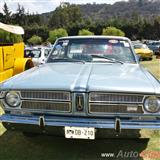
(66, 60)
(112, 60)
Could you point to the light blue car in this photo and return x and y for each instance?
(89, 85)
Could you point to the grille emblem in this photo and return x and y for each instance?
(79, 102)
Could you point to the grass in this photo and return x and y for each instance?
(153, 66)
(14, 146)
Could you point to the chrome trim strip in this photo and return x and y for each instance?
(115, 102)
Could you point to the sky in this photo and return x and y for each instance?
(42, 6)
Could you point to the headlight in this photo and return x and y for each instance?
(152, 104)
(12, 98)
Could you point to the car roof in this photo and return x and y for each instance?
(96, 37)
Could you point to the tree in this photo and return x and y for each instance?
(65, 16)
(41, 31)
(35, 40)
(112, 31)
(20, 16)
(24, 18)
(7, 14)
(85, 32)
(7, 37)
(57, 33)
(1, 17)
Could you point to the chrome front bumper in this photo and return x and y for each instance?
(61, 121)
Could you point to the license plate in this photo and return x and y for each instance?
(79, 132)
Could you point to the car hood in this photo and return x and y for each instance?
(85, 77)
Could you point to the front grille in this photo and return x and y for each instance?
(115, 98)
(47, 106)
(46, 95)
(107, 108)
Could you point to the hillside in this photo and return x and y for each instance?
(144, 8)
(121, 9)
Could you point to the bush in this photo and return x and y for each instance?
(85, 32)
(6, 37)
(57, 33)
(35, 40)
(112, 31)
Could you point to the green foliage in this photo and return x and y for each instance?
(20, 16)
(113, 31)
(65, 16)
(7, 14)
(57, 33)
(85, 32)
(6, 37)
(24, 18)
(41, 31)
(35, 40)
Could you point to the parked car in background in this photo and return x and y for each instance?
(143, 51)
(38, 54)
(88, 85)
(155, 47)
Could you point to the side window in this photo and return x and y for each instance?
(46, 52)
(58, 50)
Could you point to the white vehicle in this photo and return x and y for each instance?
(38, 54)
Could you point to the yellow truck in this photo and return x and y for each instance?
(12, 59)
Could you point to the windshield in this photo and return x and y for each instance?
(92, 50)
(35, 53)
(154, 43)
(140, 46)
